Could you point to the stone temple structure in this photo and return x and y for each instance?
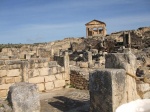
(95, 28)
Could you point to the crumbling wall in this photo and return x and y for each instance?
(79, 78)
(47, 75)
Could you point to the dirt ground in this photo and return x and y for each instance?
(65, 100)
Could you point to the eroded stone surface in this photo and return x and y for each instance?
(24, 97)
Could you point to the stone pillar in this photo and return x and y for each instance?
(126, 61)
(87, 30)
(104, 30)
(90, 58)
(66, 65)
(107, 90)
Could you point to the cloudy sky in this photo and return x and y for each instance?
(31, 21)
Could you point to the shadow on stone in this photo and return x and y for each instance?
(69, 105)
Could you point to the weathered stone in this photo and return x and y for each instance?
(52, 64)
(107, 90)
(5, 86)
(3, 73)
(36, 80)
(83, 64)
(9, 80)
(59, 76)
(50, 78)
(143, 90)
(24, 97)
(17, 79)
(59, 83)
(44, 71)
(49, 85)
(54, 70)
(2, 80)
(3, 93)
(40, 86)
(125, 61)
(14, 72)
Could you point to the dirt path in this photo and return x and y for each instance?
(65, 100)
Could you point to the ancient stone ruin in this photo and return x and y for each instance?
(114, 68)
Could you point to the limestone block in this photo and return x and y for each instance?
(36, 72)
(144, 90)
(36, 80)
(52, 64)
(3, 93)
(15, 66)
(84, 64)
(125, 61)
(3, 73)
(107, 90)
(59, 76)
(41, 86)
(2, 80)
(49, 85)
(13, 62)
(73, 63)
(14, 72)
(46, 64)
(59, 83)
(17, 79)
(5, 86)
(49, 78)
(54, 70)
(24, 97)
(1, 62)
(9, 80)
(44, 71)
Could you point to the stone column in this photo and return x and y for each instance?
(66, 65)
(104, 30)
(90, 58)
(87, 30)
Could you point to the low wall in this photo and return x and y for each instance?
(46, 74)
(79, 78)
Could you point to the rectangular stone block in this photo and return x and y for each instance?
(44, 71)
(3, 73)
(15, 66)
(49, 85)
(14, 72)
(59, 83)
(50, 78)
(54, 70)
(17, 79)
(107, 90)
(5, 86)
(52, 64)
(36, 72)
(3, 93)
(2, 80)
(41, 86)
(36, 80)
(9, 80)
(59, 76)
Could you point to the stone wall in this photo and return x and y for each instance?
(46, 74)
(79, 79)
